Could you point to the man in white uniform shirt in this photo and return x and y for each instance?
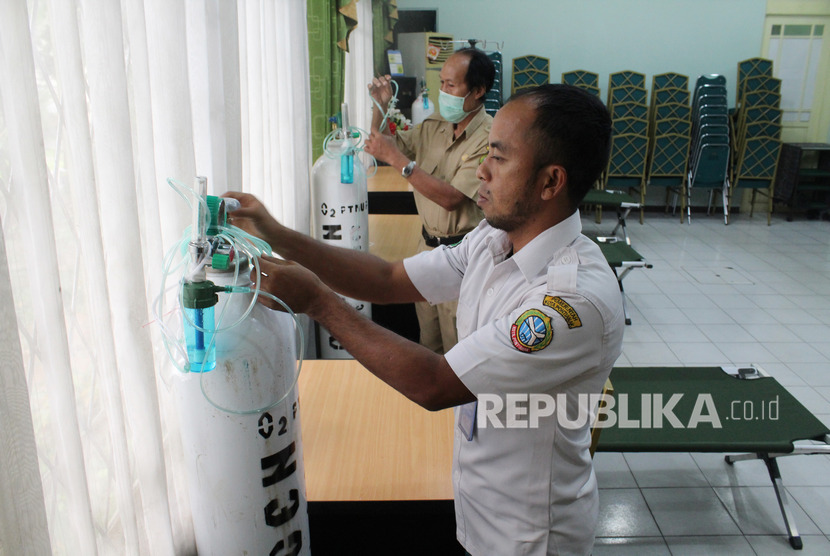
(539, 319)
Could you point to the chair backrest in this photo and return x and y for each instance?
(761, 113)
(711, 163)
(624, 126)
(762, 128)
(710, 79)
(761, 98)
(530, 71)
(581, 78)
(672, 110)
(710, 109)
(669, 155)
(749, 68)
(753, 66)
(629, 110)
(713, 119)
(626, 78)
(627, 163)
(672, 126)
(758, 158)
(626, 94)
(663, 96)
(669, 80)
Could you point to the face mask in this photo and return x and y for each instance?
(452, 107)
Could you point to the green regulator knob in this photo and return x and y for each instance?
(200, 295)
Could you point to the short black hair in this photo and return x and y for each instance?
(572, 128)
(481, 72)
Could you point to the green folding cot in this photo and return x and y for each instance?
(711, 409)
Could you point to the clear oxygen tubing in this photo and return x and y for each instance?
(393, 102)
(242, 243)
(355, 138)
(348, 133)
(300, 351)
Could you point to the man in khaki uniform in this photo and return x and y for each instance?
(439, 158)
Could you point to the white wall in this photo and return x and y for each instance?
(692, 37)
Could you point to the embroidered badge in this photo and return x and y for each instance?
(563, 308)
(484, 156)
(531, 331)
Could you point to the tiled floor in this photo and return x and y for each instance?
(737, 294)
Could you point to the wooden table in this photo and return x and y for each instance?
(363, 441)
(392, 236)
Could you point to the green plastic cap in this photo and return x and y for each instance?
(220, 261)
(200, 295)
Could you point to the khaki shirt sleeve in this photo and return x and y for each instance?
(407, 140)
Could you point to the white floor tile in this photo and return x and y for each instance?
(681, 333)
(811, 332)
(742, 353)
(689, 511)
(664, 315)
(766, 545)
(634, 546)
(612, 471)
(650, 354)
(734, 545)
(816, 502)
(709, 316)
(796, 352)
(698, 353)
(732, 333)
(756, 511)
(814, 374)
(771, 333)
(670, 469)
(623, 513)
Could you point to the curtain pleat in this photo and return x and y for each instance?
(102, 102)
(69, 68)
(23, 527)
(118, 212)
(360, 67)
(60, 446)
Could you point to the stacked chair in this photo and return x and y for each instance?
(756, 131)
(529, 71)
(627, 98)
(582, 78)
(710, 145)
(624, 173)
(492, 101)
(669, 128)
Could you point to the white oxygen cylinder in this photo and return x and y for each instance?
(340, 213)
(421, 109)
(246, 476)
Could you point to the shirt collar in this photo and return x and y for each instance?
(537, 254)
(479, 119)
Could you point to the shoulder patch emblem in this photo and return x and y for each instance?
(532, 331)
(563, 308)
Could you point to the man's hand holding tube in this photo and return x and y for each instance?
(295, 285)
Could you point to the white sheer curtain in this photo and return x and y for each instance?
(102, 101)
(359, 68)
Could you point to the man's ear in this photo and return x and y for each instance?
(556, 181)
(479, 93)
